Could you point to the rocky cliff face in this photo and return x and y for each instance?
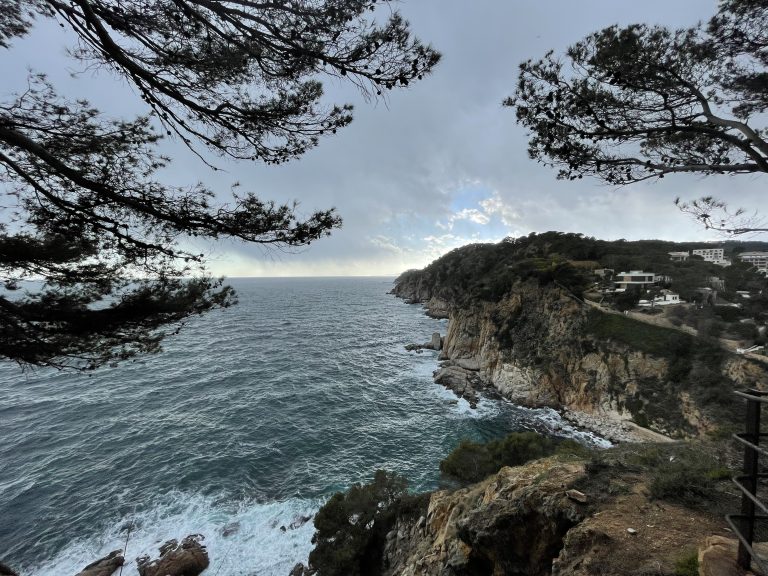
(534, 347)
(529, 520)
(511, 523)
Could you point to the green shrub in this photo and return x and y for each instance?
(688, 565)
(351, 527)
(688, 478)
(471, 462)
(662, 342)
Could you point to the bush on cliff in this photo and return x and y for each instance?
(471, 462)
(351, 527)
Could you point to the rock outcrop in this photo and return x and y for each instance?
(104, 566)
(530, 520)
(436, 343)
(535, 347)
(511, 523)
(189, 558)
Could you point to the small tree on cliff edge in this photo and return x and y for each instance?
(84, 208)
(638, 103)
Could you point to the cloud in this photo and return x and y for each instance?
(434, 166)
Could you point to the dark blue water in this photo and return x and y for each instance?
(252, 415)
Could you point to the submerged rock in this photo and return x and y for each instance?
(299, 521)
(104, 566)
(189, 558)
(229, 529)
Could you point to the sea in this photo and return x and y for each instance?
(242, 427)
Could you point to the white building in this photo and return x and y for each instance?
(678, 256)
(758, 259)
(625, 280)
(714, 255)
(666, 298)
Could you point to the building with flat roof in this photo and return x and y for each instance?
(758, 259)
(678, 256)
(714, 255)
(625, 280)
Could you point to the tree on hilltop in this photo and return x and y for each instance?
(85, 209)
(640, 102)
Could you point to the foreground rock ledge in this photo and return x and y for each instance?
(104, 566)
(189, 558)
(525, 521)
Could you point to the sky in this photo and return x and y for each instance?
(433, 167)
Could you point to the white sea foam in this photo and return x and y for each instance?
(258, 546)
(554, 423)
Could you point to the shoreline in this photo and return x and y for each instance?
(615, 430)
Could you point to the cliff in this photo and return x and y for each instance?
(551, 516)
(538, 344)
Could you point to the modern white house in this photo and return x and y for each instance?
(678, 256)
(758, 259)
(625, 280)
(666, 298)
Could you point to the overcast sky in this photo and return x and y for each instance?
(438, 165)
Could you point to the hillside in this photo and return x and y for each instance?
(518, 324)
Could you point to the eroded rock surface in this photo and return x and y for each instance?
(189, 558)
(104, 566)
(511, 523)
(533, 347)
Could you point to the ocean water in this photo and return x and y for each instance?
(250, 419)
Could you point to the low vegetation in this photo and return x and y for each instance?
(691, 474)
(688, 564)
(351, 527)
(655, 340)
(471, 462)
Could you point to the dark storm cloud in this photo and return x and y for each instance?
(442, 163)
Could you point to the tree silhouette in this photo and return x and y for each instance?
(640, 102)
(86, 211)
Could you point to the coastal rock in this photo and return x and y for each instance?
(535, 347)
(436, 343)
(103, 567)
(461, 381)
(299, 521)
(231, 528)
(6, 571)
(189, 558)
(511, 523)
(300, 570)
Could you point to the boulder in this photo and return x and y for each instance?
(472, 364)
(300, 570)
(299, 521)
(103, 567)
(229, 529)
(186, 559)
(576, 496)
(717, 556)
(436, 343)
